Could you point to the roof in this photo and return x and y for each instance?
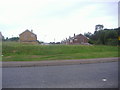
(27, 31)
(78, 36)
(82, 35)
(1, 34)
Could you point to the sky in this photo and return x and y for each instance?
(55, 20)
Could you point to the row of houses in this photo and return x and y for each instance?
(76, 39)
(29, 37)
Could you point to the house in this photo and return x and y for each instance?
(1, 36)
(28, 37)
(76, 40)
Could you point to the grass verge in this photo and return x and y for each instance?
(24, 52)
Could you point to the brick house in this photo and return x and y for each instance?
(1, 36)
(76, 40)
(28, 37)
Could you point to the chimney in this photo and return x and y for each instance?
(74, 34)
(69, 37)
(31, 30)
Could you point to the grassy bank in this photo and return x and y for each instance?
(24, 52)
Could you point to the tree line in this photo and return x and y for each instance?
(104, 36)
(10, 39)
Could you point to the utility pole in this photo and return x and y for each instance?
(54, 39)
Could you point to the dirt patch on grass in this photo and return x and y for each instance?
(14, 51)
(35, 56)
(8, 57)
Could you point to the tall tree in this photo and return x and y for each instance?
(99, 27)
(106, 36)
(88, 34)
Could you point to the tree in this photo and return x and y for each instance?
(106, 37)
(11, 39)
(99, 27)
(14, 39)
(88, 34)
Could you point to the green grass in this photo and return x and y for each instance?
(24, 52)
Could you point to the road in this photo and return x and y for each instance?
(97, 75)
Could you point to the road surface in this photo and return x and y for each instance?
(97, 75)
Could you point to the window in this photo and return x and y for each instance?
(75, 39)
(25, 37)
(32, 35)
(71, 40)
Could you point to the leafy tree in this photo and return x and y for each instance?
(11, 39)
(106, 36)
(99, 27)
(88, 34)
(14, 39)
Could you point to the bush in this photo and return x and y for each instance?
(112, 42)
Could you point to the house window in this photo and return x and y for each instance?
(32, 35)
(71, 41)
(75, 39)
(25, 37)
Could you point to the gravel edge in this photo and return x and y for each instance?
(57, 62)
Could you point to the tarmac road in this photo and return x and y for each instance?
(96, 75)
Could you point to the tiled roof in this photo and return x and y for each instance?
(27, 31)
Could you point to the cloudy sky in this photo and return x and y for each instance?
(56, 19)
